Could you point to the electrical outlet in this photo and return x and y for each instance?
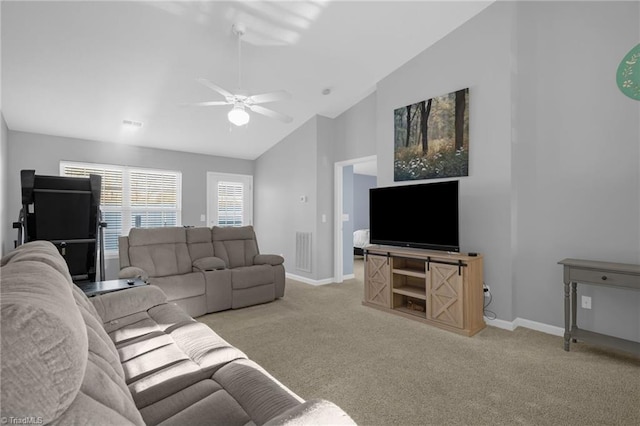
(486, 289)
(586, 302)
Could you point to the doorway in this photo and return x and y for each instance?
(346, 216)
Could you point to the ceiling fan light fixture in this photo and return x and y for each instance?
(238, 115)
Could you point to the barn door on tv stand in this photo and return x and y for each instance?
(445, 294)
(377, 288)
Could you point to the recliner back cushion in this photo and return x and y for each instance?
(237, 246)
(199, 243)
(160, 251)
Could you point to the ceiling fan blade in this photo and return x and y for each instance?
(210, 103)
(262, 98)
(217, 88)
(270, 113)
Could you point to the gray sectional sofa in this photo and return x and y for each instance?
(125, 358)
(203, 270)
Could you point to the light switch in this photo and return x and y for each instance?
(203, 218)
(345, 217)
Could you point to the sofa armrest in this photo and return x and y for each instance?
(268, 259)
(133, 272)
(208, 264)
(312, 412)
(119, 304)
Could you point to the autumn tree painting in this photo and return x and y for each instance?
(432, 138)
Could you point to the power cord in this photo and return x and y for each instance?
(486, 312)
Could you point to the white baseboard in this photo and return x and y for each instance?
(505, 325)
(308, 280)
(539, 326)
(521, 322)
(348, 276)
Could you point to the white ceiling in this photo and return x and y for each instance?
(79, 68)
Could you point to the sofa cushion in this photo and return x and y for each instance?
(241, 392)
(252, 276)
(112, 305)
(204, 402)
(153, 236)
(199, 242)
(39, 251)
(163, 350)
(312, 412)
(160, 252)
(237, 246)
(44, 350)
(181, 287)
(259, 393)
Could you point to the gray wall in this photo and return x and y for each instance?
(5, 219)
(283, 174)
(325, 189)
(299, 165)
(361, 186)
(477, 55)
(355, 131)
(43, 154)
(576, 162)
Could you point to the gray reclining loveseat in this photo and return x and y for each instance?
(203, 270)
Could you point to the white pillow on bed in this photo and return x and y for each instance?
(360, 237)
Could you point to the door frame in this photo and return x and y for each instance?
(210, 176)
(338, 265)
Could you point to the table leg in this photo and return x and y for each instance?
(574, 307)
(567, 314)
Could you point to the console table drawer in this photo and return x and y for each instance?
(604, 277)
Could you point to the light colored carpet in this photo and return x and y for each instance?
(383, 369)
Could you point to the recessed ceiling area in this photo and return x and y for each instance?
(79, 68)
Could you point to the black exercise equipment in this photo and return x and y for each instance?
(65, 211)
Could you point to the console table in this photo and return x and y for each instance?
(101, 287)
(606, 274)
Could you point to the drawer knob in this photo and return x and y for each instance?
(604, 278)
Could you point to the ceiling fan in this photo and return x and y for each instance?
(241, 100)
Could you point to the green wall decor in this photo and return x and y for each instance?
(628, 75)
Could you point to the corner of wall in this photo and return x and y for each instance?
(4, 178)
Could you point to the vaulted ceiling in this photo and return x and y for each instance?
(79, 68)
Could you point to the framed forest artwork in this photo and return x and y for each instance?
(432, 138)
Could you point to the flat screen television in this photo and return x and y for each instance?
(421, 216)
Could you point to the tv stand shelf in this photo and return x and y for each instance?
(439, 288)
(410, 272)
(411, 291)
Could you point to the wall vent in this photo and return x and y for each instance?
(303, 251)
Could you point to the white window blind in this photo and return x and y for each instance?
(132, 197)
(230, 203)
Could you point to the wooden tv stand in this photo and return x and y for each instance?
(438, 288)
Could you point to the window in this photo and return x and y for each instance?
(230, 203)
(132, 197)
(229, 199)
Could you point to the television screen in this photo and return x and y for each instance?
(421, 216)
